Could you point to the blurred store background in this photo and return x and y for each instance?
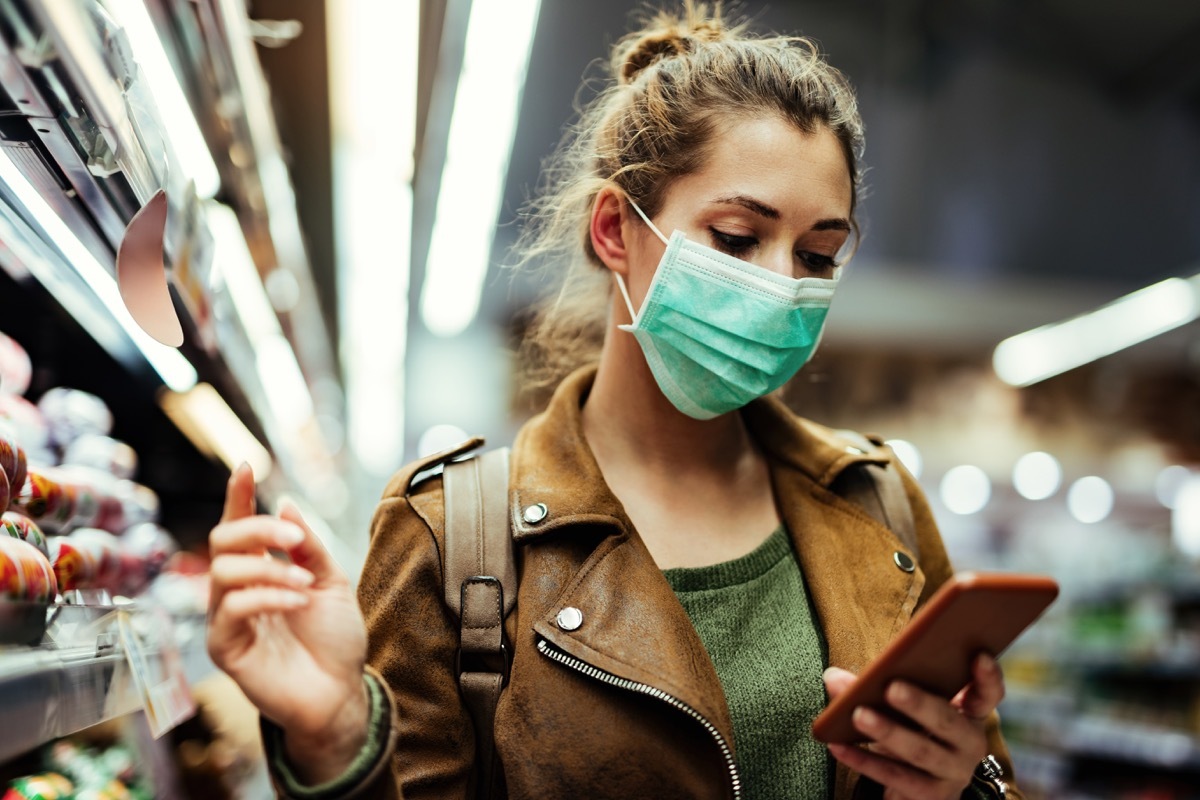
(343, 182)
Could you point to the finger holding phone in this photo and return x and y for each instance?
(936, 758)
(922, 704)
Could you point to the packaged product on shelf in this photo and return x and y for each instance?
(22, 527)
(98, 774)
(12, 459)
(41, 499)
(91, 487)
(12, 580)
(105, 552)
(103, 453)
(139, 504)
(25, 573)
(16, 370)
(47, 786)
(145, 550)
(73, 567)
(71, 413)
(26, 423)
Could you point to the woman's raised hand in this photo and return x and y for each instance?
(290, 634)
(935, 762)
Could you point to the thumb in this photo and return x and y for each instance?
(838, 680)
(239, 494)
(310, 553)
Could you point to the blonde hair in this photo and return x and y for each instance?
(672, 83)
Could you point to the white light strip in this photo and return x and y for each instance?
(208, 421)
(231, 257)
(283, 383)
(175, 370)
(155, 69)
(482, 125)
(279, 373)
(1052, 349)
(373, 47)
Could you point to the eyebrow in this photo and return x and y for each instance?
(766, 211)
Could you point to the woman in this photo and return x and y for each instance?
(687, 571)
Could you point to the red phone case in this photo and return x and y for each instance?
(972, 613)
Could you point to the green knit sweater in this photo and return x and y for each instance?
(754, 618)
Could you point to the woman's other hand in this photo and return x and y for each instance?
(935, 762)
(290, 634)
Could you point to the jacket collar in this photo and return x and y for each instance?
(554, 466)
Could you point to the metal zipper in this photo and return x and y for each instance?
(548, 650)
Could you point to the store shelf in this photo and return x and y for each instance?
(1048, 722)
(53, 690)
(50, 693)
(81, 125)
(1133, 743)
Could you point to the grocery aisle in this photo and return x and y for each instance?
(279, 232)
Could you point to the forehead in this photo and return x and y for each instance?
(772, 160)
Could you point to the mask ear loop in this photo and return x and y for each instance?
(646, 219)
(617, 275)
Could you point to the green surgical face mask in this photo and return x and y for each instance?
(719, 332)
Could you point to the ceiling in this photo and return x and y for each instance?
(1029, 158)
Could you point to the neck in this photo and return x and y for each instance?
(628, 420)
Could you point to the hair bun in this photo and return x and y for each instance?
(666, 35)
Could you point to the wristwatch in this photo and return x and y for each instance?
(989, 775)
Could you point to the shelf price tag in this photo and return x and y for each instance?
(157, 669)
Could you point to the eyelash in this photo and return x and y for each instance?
(735, 245)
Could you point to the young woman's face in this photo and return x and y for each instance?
(769, 194)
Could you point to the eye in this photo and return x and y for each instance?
(731, 244)
(820, 265)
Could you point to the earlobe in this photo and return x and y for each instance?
(607, 229)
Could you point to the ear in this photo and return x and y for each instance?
(608, 229)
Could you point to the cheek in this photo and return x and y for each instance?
(641, 275)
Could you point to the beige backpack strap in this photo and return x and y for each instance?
(480, 584)
(880, 490)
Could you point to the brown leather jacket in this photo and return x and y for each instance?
(628, 705)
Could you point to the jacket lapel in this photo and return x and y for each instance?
(638, 632)
(641, 633)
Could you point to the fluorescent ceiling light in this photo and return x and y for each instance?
(283, 382)
(1052, 349)
(175, 370)
(155, 69)
(373, 46)
(279, 373)
(213, 427)
(484, 119)
(231, 256)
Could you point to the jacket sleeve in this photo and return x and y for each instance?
(412, 646)
(936, 566)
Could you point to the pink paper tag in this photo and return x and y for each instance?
(142, 276)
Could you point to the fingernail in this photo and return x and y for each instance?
(899, 694)
(865, 717)
(300, 576)
(295, 599)
(292, 535)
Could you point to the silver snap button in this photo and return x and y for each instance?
(535, 513)
(569, 619)
(903, 561)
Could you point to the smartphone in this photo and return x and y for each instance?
(972, 613)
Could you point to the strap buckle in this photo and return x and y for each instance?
(482, 648)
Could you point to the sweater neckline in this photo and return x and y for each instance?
(736, 572)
